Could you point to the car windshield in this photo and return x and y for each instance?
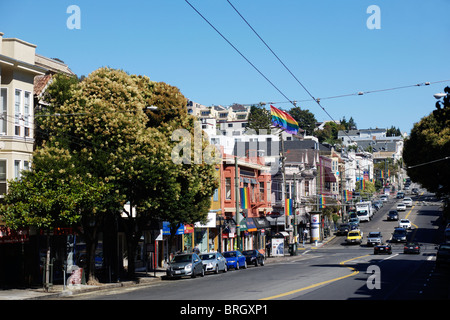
(182, 258)
(392, 212)
(229, 254)
(404, 221)
(374, 234)
(399, 231)
(445, 247)
(353, 234)
(248, 252)
(208, 256)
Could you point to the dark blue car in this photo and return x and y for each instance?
(235, 259)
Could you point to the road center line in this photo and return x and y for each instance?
(355, 272)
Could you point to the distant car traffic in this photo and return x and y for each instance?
(384, 198)
(411, 247)
(408, 202)
(214, 262)
(235, 259)
(382, 248)
(400, 195)
(343, 229)
(253, 257)
(404, 223)
(401, 207)
(354, 236)
(399, 235)
(443, 254)
(374, 238)
(185, 265)
(392, 215)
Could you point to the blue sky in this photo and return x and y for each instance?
(325, 43)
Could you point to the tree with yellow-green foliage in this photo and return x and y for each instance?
(102, 124)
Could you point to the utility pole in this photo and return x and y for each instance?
(236, 196)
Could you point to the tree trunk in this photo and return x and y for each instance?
(47, 264)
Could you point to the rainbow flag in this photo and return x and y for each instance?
(347, 195)
(288, 206)
(283, 120)
(245, 198)
(363, 184)
(322, 201)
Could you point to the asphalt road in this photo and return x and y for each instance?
(335, 271)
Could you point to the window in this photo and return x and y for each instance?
(17, 107)
(16, 169)
(306, 188)
(228, 188)
(26, 111)
(261, 191)
(2, 177)
(216, 195)
(3, 110)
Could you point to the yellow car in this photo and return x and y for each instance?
(354, 236)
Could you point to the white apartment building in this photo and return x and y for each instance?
(17, 72)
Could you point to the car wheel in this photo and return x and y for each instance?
(236, 266)
(245, 265)
(262, 262)
(202, 274)
(256, 262)
(225, 268)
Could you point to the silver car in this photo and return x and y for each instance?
(214, 262)
(185, 265)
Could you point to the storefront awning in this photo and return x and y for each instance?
(248, 225)
(261, 222)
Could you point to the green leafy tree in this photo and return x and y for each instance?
(259, 119)
(53, 194)
(305, 119)
(426, 148)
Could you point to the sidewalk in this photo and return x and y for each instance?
(143, 278)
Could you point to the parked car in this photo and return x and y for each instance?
(399, 235)
(384, 198)
(235, 259)
(253, 257)
(188, 264)
(392, 215)
(374, 238)
(443, 254)
(408, 202)
(412, 247)
(343, 229)
(214, 262)
(354, 236)
(401, 206)
(382, 248)
(404, 223)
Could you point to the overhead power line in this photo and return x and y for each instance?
(240, 53)
(429, 162)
